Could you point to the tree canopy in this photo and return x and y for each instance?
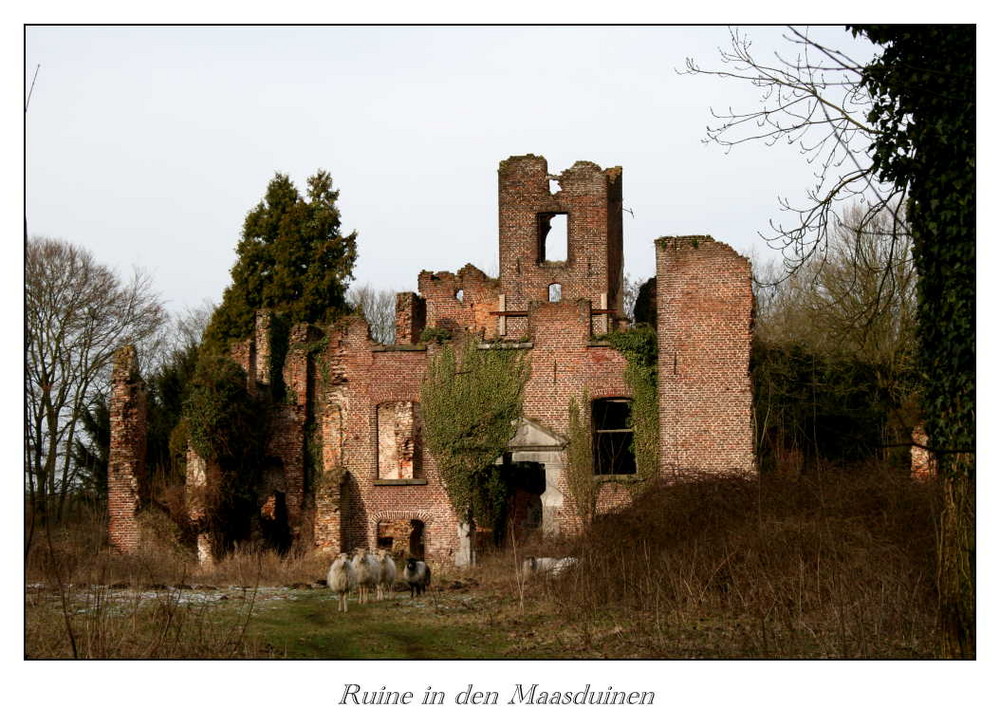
(77, 313)
(292, 260)
(924, 92)
(923, 86)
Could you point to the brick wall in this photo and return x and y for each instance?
(411, 317)
(566, 364)
(367, 378)
(591, 200)
(704, 317)
(473, 312)
(127, 485)
(923, 465)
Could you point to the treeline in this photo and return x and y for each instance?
(833, 361)
(292, 259)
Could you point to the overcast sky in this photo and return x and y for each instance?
(148, 145)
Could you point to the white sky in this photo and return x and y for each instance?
(148, 145)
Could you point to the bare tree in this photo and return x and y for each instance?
(859, 304)
(379, 309)
(182, 332)
(77, 314)
(860, 301)
(630, 290)
(811, 96)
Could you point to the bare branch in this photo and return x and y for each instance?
(810, 96)
(77, 314)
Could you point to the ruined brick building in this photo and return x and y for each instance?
(354, 404)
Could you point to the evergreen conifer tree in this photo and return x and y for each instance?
(292, 260)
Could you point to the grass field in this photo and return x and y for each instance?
(841, 565)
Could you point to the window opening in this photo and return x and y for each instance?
(460, 295)
(553, 236)
(398, 448)
(613, 437)
(417, 539)
(555, 293)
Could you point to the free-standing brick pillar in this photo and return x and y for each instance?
(127, 455)
(704, 308)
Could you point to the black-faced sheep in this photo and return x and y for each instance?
(341, 579)
(369, 571)
(388, 579)
(417, 575)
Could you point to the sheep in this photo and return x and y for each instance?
(547, 566)
(341, 578)
(417, 575)
(369, 571)
(388, 579)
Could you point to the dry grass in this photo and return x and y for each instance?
(839, 564)
(85, 600)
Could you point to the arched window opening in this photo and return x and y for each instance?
(614, 453)
(460, 295)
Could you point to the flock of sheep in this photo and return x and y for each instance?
(368, 571)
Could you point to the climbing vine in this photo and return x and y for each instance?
(227, 426)
(638, 346)
(924, 90)
(580, 480)
(471, 401)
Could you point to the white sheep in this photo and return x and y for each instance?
(388, 579)
(369, 571)
(546, 566)
(341, 578)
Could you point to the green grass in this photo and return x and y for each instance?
(308, 626)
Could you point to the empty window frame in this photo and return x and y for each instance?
(398, 445)
(553, 236)
(613, 437)
(555, 293)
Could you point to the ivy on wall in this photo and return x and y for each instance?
(639, 347)
(471, 401)
(583, 486)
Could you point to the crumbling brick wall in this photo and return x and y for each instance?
(704, 317)
(359, 401)
(923, 464)
(462, 302)
(127, 486)
(566, 364)
(369, 379)
(590, 198)
(411, 318)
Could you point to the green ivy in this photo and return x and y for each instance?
(470, 402)
(639, 347)
(435, 335)
(580, 480)
(924, 90)
(227, 426)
